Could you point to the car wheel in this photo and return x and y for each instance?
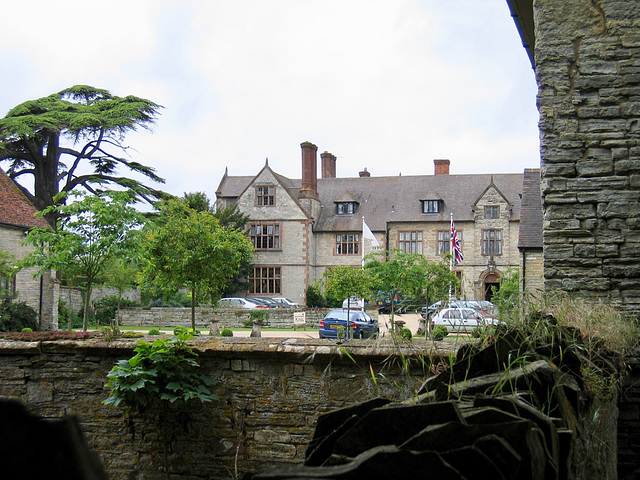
(361, 335)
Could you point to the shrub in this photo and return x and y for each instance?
(405, 333)
(439, 332)
(63, 314)
(164, 370)
(261, 315)
(154, 331)
(314, 298)
(107, 308)
(16, 316)
(226, 332)
(26, 330)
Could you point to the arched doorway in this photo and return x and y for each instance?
(490, 283)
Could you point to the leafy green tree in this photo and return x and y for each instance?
(191, 249)
(121, 273)
(345, 282)
(74, 139)
(229, 217)
(91, 232)
(7, 270)
(408, 274)
(507, 298)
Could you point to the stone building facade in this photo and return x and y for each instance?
(17, 217)
(586, 56)
(302, 227)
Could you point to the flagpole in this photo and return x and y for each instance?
(363, 241)
(452, 255)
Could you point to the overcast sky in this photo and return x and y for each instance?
(388, 85)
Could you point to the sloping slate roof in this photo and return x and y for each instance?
(531, 218)
(15, 208)
(233, 186)
(395, 199)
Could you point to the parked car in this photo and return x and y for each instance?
(461, 320)
(354, 302)
(239, 302)
(285, 302)
(361, 325)
(426, 312)
(383, 302)
(484, 306)
(265, 301)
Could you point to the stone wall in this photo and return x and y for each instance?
(271, 393)
(72, 296)
(39, 292)
(587, 60)
(181, 317)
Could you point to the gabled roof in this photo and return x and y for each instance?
(531, 218)
(489, 187)
(398, 199)
(15, 208)
(394, 199)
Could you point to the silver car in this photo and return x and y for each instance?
(461, 320)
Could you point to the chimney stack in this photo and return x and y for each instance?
(328, 165)
(309, 170)
(441, 166)
(365, 173)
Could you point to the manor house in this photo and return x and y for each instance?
(300, 227)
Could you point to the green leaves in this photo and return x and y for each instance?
(32, 138)
(191, 249)
(165, 369)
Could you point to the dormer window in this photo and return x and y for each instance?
(345, 208)
(430, 206)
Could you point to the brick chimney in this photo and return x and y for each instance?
(441, 166)
(309, 170)
(328, 165)
(365, 173)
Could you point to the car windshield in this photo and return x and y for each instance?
(342, 315)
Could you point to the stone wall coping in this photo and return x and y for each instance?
(303, 349)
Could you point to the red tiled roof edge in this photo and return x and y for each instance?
(15, 207)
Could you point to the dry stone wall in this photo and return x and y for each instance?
(181, 317)
(587, 60)
(271, 393)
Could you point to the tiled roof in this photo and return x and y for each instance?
(15, 207)
(396, 199)
(531, 219)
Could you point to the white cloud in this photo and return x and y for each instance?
(387, 85)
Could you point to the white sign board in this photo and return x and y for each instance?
(298, 318)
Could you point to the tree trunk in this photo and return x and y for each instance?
(87, 303)
(193, 307)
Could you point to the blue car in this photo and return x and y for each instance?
(361, 325)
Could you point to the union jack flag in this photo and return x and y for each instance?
(456, 249)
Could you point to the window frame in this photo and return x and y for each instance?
(426, 204)
(342, 243)
(350, 208)
(487, 243)
(418, 241)
(269, 285)
(492, 211)
(446, 241)
(265, 195)
(275, 237)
